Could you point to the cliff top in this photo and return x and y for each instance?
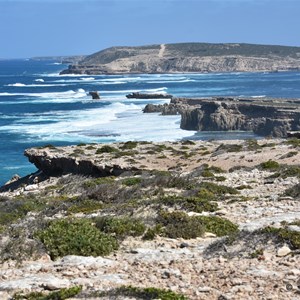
(192, 50)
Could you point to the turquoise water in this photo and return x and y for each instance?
(38, 107)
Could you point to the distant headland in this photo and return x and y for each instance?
(189, 58)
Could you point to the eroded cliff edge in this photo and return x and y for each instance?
(263, 116)
(189, 57)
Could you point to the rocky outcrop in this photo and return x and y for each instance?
(136, 95)
(265, 117)
(189, 57)
(95, 95)
(54, 163)
(164, 109)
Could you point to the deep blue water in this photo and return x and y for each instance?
(38, 107)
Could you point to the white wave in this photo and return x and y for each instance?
(11, 168)
(117, 121)
(111, 82)
(7, 94)
(68, 94)
(172, 81)
(259, 96)
(35, 85)
(17, 84)
(56, 63)
(87, 78)
(39, 80)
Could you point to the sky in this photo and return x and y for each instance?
(31, 28)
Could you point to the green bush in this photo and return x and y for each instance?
(85, 206)
(217, 189)
(294, 142)
(206, 173)
(120, 227)
(294, 191)
(152, 232)
(220, 178)
(195, 204)
(76, 237)
(188, 142)
(218, 226)
(230, 148)
(252, 145)
(131, 181)
(57, 295)
(180, 225)
(142, 293)
(106, 149)
(270, 165)
(12, 210)
(129, 145)
(284, 234)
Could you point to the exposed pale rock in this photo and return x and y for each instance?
(86, 261)
(283, 251)
(47, 281)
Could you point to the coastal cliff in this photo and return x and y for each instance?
(263, 116)
(189, 57)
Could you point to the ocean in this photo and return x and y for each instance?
(39, 107)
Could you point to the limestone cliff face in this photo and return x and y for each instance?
(265, 120)
(266, 117)
(52, 162)
(189, 57)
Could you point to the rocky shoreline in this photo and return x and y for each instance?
(190, 219)
(274, 117)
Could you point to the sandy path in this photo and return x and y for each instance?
(162, 50)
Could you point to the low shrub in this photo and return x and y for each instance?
(252, 145)
(285, 235)
(218, 226)
(195, 204)
(230, 147)
(56, 295)
(85, 206)
(120, 227)
(294, 191)
(106, 149)
(142, 293)
(188, 142)
(270, 165)
(129, 145)
(75, 237)
(152, 232)
(217, 189)
(180, 225)
(12, 210)
(131, 181)
(293, 142)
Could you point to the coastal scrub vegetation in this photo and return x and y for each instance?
(285, 235)
(148, 293)
(75, 237)
(62, 294)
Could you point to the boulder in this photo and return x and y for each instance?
(95, 95)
